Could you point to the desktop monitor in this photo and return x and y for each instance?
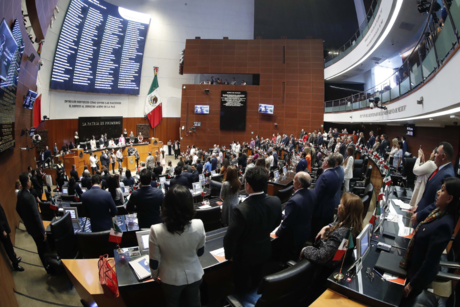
(73, 213)
(64, 190)
(143, 240)
(213, 173)
(284, 170)
(276, 174)
(197, 186)
(201, 109)
(363, 241)
(162, 179)
(266, 108)
(201, 176)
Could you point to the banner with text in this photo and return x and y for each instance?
(233, 110)
(89, 126)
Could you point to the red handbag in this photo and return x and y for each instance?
(108, 276)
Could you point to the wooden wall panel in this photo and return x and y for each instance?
(40, 14)
(15, 161)
(291, 79)
(62, 131)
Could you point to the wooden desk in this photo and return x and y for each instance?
(84, 275)
(46, 224)
(331, 298)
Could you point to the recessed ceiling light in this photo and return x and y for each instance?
(453, 116)
(431, 118)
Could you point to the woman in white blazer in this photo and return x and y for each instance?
(348, 167)
(423, 171)
(175, 246)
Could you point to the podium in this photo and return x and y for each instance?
(74, 158)
(131, 163)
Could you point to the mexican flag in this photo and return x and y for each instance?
(387, 179)
(153, 103)
(380, 197)
(376, 213)
(387, 165)
(347, 243)
(115, 233)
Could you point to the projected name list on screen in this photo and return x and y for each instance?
(100, 49)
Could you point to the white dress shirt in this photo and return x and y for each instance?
(92, 161)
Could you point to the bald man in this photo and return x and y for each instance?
(295, 229)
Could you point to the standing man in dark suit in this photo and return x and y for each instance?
(105, 161)
(319, 140)
(296, 227)
(199, 166)
(213, 162)
(106, 141)
(303, 164)
(37, 186)
(101, 141)
(341, 174)
(247, 241)
(257, 142)
(27, 209)
(47, 156)
(6, 241)
(302, 133)
(443, 160)
(176, 149)
(188, 175)
(326, 188)
(158, 170)
(404, 148)
(179, 179)
(74, 173)
(146, 201)
(99, 205)
(383, 145)
(371, 141)
(55, 150)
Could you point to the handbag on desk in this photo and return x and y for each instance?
(108, 276)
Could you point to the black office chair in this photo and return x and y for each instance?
(408, 172)
(369, 190)
(358, 169)
(65, 240)
(218, 178)
(361, 184)
(121, 210)
(215, 187)
(210, 217)
(365, 162)
(46, 212)
(94, 244)
(285, 288)
(285, 194)
(366, 202)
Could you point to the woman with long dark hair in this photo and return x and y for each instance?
(223, 169)
(174, 248)
(114, 188)
(128, 180)
(229, 194)
(430, 239)
(74, 187)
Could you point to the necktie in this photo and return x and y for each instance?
(434, 173)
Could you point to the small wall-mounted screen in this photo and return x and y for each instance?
(266, 108)
(201, 109)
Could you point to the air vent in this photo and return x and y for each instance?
(406, 26)
(375, 59)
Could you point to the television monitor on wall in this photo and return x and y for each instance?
(410, 130)
(201, 109)
(266, 108)
(8, 47)
(29, 100)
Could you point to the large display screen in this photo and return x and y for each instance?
(266, 108)
(201, 109)
(233, 110)
(8, 46)
(410, 130)
(100, 49)
(29, 100)
(89, 126)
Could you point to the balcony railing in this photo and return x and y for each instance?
(439, 38)
(356, 38)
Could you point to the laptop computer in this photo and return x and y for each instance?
(162, 179)
(390, 263)
(64, 191)
(197, 187)
(74, 216)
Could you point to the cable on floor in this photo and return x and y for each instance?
(43, 301)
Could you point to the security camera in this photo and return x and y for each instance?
(371, 105)
(420, 101)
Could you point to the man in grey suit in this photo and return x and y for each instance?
(150, 162)
(247, 241)
(99, 205)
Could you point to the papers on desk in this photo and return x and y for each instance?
(405, 232)
(141, 267)
(394, 279)
(219, 254)
(204, 207)
(402, 205)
